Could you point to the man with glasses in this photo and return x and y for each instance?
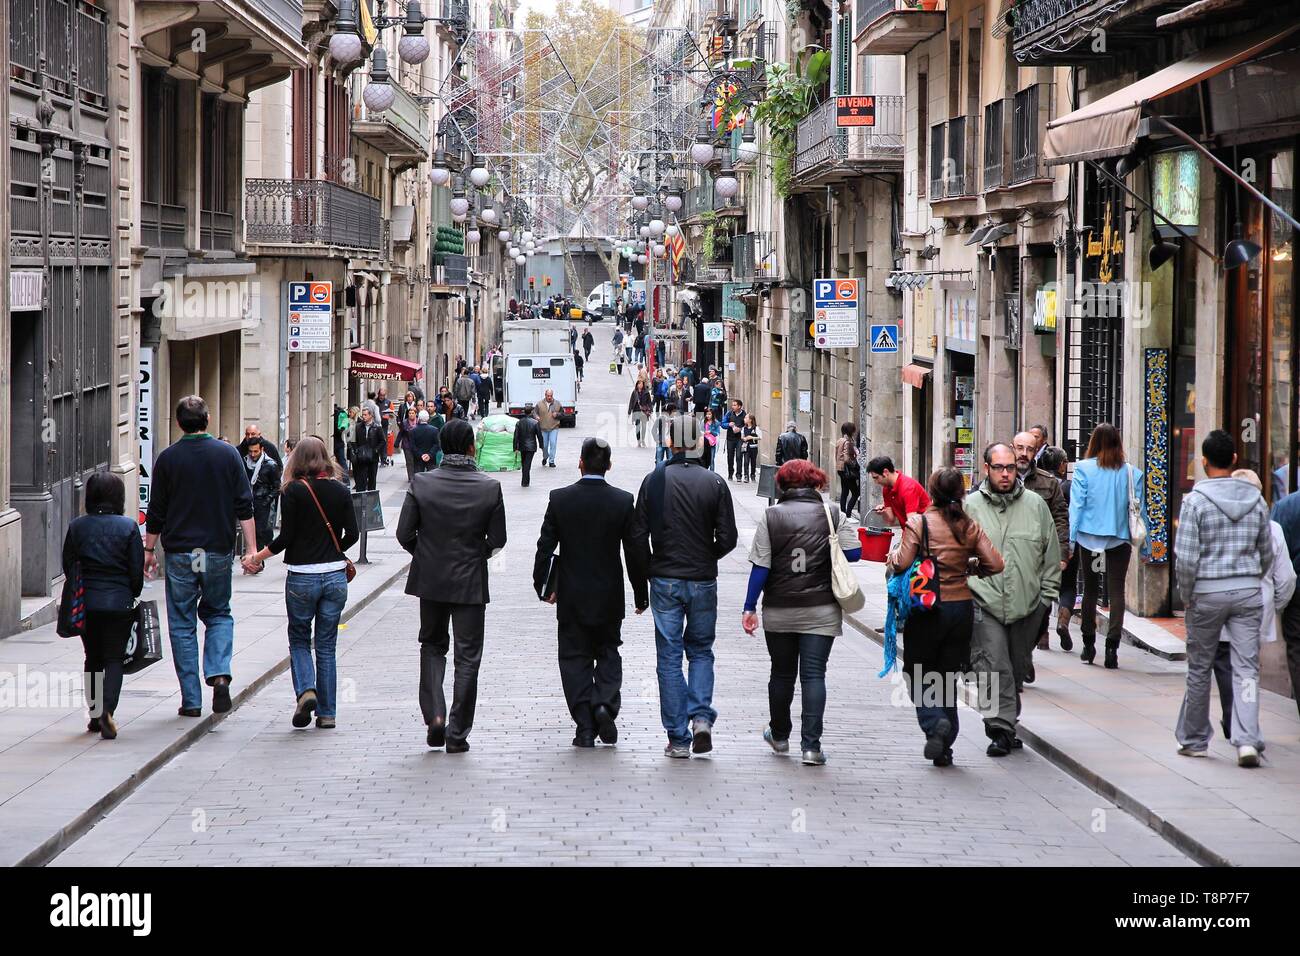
(1009, 606)
(1046, 485)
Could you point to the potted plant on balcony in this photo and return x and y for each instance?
(790, 95)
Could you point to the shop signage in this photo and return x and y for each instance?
(835, 314)
(311, 316)
(855, 111)
(1176, 189)
(144, 394)
(713, 331)
(1105, 249)
(25, 289)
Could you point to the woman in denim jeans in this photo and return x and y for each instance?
(316, 588)
(791, 568)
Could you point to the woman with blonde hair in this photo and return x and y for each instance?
(317, 524)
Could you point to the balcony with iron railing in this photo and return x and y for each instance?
(401, 132)
(753, 257)
(308, 214)
(896, 26)
(995, 148)
(825, 152)
(1064, 32)
(952, 159)
(1029, 120)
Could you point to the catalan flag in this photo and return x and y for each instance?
(676, 250)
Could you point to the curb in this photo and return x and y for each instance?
(1169, 832)
(83, 822)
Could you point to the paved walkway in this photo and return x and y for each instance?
(56, 779)
(256, 791)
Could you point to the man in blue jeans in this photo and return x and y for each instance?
(686, 511)
(198, 494)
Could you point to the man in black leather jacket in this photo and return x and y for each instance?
(790, 445)
(687, 512)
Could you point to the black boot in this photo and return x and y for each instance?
(1089, 652)
(1112, 655)
(1063, 628)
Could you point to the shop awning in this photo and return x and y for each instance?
(1109, 127)
(914, 375)
(367, 364)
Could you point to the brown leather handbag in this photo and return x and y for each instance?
(351, 569)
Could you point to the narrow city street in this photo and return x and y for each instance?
(256, 791)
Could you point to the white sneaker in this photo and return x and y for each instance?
(1247, 756)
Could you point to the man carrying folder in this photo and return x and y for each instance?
(587, 521)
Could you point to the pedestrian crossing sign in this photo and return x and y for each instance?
(884, 338)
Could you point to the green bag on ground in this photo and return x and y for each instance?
(496, 444)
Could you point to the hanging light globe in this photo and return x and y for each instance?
(530, 245)
(458, 217)
(520, 260)
(701, 153)
(514, 252)
(479, 175)
(726, 185)
(526, 235)
(656, 227)
(672, 229)
(747, 151)
(505, 239)
(673, 202)
(473, 235)
(644, 232)
(379, 93)
(459, 205)
(489, 214)
(642, 259)
(639, 202)
(345, 48)
(440, 175)
(505, 235)
(660, 248)
(413, 48)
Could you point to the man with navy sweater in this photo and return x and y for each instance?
(199, 492)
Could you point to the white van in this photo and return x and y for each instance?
(535, 336)
(603, 300)
(529, 376)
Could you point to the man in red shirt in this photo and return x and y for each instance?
(903, 494)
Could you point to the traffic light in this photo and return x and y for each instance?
(532, 282)
(622, 280)
(546, 281)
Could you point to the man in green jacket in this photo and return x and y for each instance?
(1009, 606)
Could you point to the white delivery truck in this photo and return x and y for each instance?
(603, 300)
(536, 337)
(529, 375)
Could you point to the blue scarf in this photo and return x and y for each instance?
(900, 604)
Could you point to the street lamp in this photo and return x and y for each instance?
(747, 151)
(521, 259)
(345, 43)
(526, 235)
(413, 47)
(489, 214)
(640, 201)
(673, 202)
(702, 149)
(656, 228)
(672, 229)
(379, 93)
(440, 174)
(726, 185)
(659, 249)
(472, 234)
(479, 175)
(459, 205)
(504, 235)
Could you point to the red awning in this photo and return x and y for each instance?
(367, 364)
(914, 375)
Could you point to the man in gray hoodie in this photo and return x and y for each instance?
(1224, 546)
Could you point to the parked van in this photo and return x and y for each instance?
(603, 300)
(535, 336)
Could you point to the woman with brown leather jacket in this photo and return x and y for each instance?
(936, 641)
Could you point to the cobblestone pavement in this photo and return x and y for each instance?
(256, 791)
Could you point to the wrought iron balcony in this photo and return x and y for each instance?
(825, 152)
(953, 163)
(896, 26)
(1032, 106)
(1061, 31)
(402, 131)
(753, 257)
(310, 212)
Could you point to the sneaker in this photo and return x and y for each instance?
(682, 751)
(306, 705)
(221, 695)
(814, 758)
(1247, 756)
(1192, 752)
(780, 746)
(701, 736)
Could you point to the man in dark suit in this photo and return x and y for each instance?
(587, 521)
(452, 521)
(424, 444)
(528, 435)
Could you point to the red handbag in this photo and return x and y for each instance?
(351, 569)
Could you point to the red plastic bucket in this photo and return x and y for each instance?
(875, 544)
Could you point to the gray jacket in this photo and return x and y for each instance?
(1224, 541)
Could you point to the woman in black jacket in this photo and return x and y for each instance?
(107, 544)
(639, 406)
(316, 588)
(367, 451)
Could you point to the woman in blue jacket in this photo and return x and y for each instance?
(1099, 533)
(108, 546)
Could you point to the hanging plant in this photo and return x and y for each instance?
(791, 95)
(709, 240)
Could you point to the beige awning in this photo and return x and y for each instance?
(1109, 126)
